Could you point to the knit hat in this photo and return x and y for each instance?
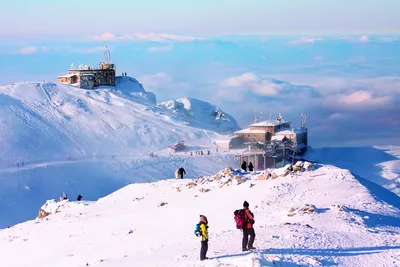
(205, 218)
(245, 204)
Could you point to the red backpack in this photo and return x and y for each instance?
(239, 216)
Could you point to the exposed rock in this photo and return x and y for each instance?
(162, 204)
(227, 171)
(204, 190)
(307, 209)
(43, 214)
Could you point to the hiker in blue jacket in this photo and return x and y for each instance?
(201, 230)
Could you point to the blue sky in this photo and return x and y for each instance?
(336, 60)
(76, 18)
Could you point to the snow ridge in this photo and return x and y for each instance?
(326, 217)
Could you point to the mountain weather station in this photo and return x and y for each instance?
(87, 77)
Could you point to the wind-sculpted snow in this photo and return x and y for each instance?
(56, 138)
(202, 114)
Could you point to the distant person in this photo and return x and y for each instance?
(17, 164)
(251, 167)
(63, 196)
(244, 166)
(201, 231)
(248, 229)
(208, 152)
(181, 171)
(79, 198)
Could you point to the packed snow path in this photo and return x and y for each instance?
(345, 224)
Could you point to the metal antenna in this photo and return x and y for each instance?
(303, 120)
(107, 56)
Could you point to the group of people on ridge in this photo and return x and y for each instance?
(244, 166)
(244, 219)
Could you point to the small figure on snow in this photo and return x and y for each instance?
(208, 152)
(251, 167)
(201, 231)
(244, 166)
(63, 196)
(248, 228)
(79, 198)
(181, 171)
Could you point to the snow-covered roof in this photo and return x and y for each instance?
(285, 132)
(277, 137)
(268, 123)
(290, 131)
(67, 76)
(223, 141)
(248, 130)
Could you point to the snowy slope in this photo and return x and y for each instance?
(351, 225)
(202, 114)
(90, 142)
(380, 165)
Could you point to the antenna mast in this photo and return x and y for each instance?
(303, 120)
(107, 56)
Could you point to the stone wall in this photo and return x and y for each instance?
(90, 79)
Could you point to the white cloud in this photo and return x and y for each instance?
(242, 80)
(160, 48)
(156, 80)
(364, 98)
(28, 50)
(318, 58)
(364, 38)
(337, 116)
(307, 40)
(233, 87)
(150, 37)
(106, 36)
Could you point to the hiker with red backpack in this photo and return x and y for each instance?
(201, 230)
(244, 220)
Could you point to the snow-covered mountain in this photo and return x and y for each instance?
(89, 141)
(324, 218)
(201, 114)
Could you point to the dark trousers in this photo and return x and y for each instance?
(246, 243)
(203, 250)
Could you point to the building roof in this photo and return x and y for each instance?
(248, 130)
(285, 132)
(223, 141)
(277, 137)
(290, 131)
(67, 76)
(268, 123)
